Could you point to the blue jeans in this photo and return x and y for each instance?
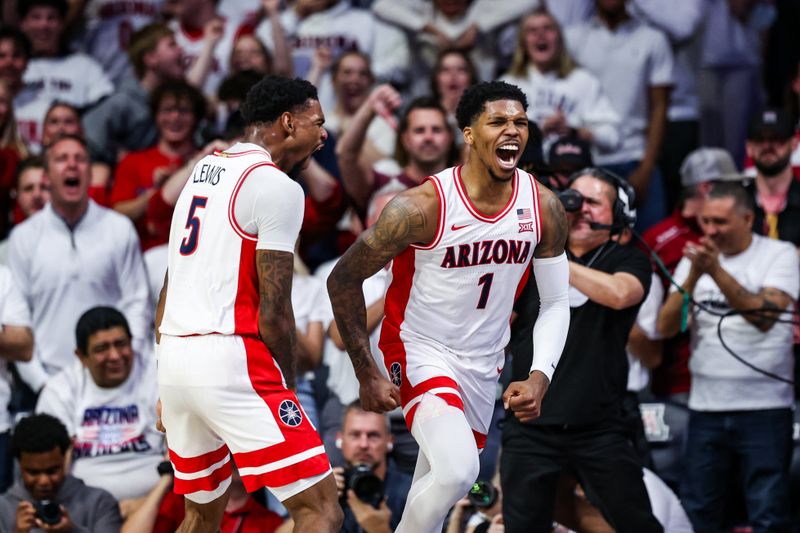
(654, 207)
(305, 393)
(761, 443)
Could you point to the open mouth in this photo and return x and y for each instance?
(72, 183)
(507, 155)
(541, 46)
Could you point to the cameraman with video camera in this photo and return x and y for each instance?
(372, 490)
(582, 429)
(46, 498)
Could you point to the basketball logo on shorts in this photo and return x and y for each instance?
(290, 413)
(397, 374)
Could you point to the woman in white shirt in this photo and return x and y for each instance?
(563, 99)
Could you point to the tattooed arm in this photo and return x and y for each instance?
(739, 298)
(411, 217)
(554, 225)
(705, 260)
(551, 273)
(275, 315)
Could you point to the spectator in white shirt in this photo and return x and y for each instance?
(563, 99)
(681, 23)
(16, 344)
(71, 256)
(634, 65)
(107, 399)
(51, 75)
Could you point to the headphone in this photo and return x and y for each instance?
(623, 212)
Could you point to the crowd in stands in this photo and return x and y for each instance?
(106, 106)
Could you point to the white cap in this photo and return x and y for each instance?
(709, 164)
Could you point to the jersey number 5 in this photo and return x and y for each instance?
(189, 243)
(486, 285)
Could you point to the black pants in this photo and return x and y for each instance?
(600, 455)
(680, 138)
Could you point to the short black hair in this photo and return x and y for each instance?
(237, 85)
(475, 98)
(97, 319)
(39, 434)
(34, 161)
(179, 89)
(19, 38)
(275, 95)
(24, 7)
(732, 189)
(422, 102)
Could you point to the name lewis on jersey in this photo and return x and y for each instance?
(208, 174)
(500, 251)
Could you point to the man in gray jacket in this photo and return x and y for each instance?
(46, 497)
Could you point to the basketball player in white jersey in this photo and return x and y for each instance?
(226, 332)
(461, 245)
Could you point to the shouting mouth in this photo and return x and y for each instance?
(507, 155)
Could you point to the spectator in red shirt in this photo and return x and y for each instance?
(667, 238)
(12, 149)
(177, 108)
(243, 514)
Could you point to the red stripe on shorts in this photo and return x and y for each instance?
(246, 305)
(450, 398)
(313, 466)
(207, 483)
(394, 313)
(438, 382)
(480, 439)
(190, 465)
(267, 381)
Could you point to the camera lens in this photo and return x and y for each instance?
(48, 512)
(482, 495)
(367, 486)
(572, 200)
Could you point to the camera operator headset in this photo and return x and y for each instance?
(623, 212)
(608, 281)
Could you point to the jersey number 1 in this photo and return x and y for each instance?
(189, 243)
(486, 282)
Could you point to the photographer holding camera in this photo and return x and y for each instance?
(480, 511)
(46, 498)
(372, 490)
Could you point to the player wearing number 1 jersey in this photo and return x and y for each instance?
(225, 322)
(461, 244)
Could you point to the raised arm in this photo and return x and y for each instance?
(411, 217)
(275, 316)
(356, 176)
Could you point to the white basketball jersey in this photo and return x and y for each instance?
(213, 284)
(459, 290)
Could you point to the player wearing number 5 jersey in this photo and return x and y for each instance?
(226, 327)
(461, 244)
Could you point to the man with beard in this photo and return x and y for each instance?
(740, 409)
(225, 325)
(424, 145)
(776, 190)
(461, 244)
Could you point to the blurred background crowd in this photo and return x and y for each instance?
(106, 105)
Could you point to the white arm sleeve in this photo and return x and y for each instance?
(550, 330)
